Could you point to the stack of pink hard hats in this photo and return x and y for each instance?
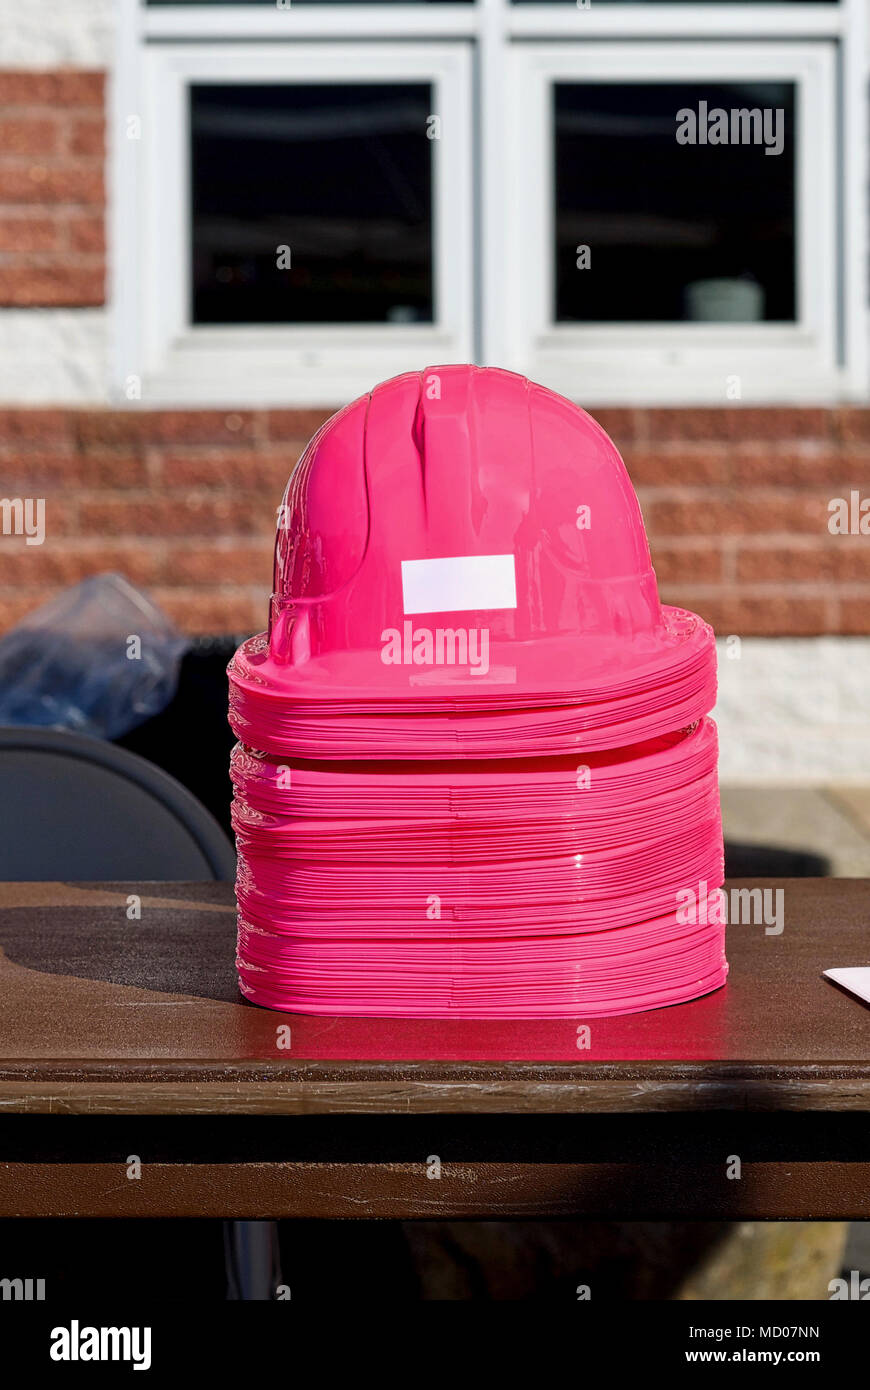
(475, 774)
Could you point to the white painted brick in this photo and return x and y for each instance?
(54, 356)
(795, 710)
(56, 33)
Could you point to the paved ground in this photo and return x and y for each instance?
(833, 821)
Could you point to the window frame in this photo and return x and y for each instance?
(490, 33)
(257, 363)
(680, 358)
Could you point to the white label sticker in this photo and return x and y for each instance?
(459, 584)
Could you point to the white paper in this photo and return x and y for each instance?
(459, 584)
(854, 978)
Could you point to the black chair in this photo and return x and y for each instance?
(81, 809)
(191, 739)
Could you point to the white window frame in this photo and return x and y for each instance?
(181, 361)
(480, 247)
(676, 360)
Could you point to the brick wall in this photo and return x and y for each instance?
(183, 502)
(52, 195)
(735, 499)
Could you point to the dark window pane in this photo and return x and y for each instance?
(340, 174)
(675, 231)
(632, 2)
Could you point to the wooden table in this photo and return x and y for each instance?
(123, 1037)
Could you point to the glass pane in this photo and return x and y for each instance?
(589, 4)
(675, 231)
(340, 174)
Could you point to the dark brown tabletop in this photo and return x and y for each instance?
(111, 1018)
(98, 1010)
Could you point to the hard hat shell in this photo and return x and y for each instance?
(470, 500)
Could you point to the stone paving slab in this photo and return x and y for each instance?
(833, 821)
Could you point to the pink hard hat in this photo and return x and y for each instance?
(466, 498)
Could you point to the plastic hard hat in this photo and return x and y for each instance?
(452, 503)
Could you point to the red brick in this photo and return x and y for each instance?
(244, 468)
(840, 560)
(86, 233)
(706, 465)
(740, 422)
(226, 427)
(854, 614)
(66, 562)
(52, 285)
(28, 233)
(61, 511)
(714, 514)
(623, 424)
(801, 466)
(110, 470)
(34, 427)
(201, 613)
(756, 614)
(689, 562)
(60, 87)
(249, 563)
(189, 514)
(852, 424)
(296, 424)
(73, 181)
(88, 135)
(32, 135)
(60, 520)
